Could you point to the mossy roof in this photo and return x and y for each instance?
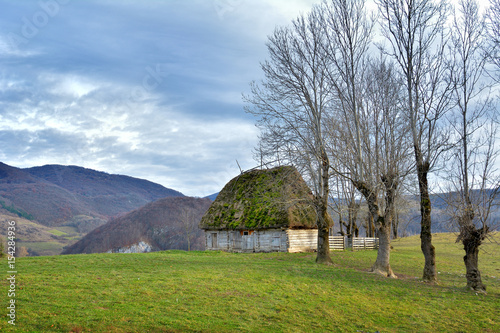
(263, 199)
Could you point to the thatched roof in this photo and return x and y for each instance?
(262, 199)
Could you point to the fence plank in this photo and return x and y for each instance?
(358, 243)
(337, 243)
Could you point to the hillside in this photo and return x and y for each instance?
(54, 194)
(29, 196)
(160, 225)
(33, 239)
(105, 193)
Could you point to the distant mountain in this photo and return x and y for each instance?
(409, 215)
(107, 194)
(55, 194)
(212, 196)
(160, 225)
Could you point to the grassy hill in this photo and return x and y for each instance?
(177, 291)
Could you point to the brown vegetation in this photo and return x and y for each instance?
(54, 194)
(161, 224)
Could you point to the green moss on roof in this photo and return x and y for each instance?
(261, 199)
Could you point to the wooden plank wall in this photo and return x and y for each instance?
(277, 240)
(302, 240)
(222, 240)
(271, 240)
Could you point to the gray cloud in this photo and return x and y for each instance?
(150, 89)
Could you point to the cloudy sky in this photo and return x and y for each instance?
(150, 89)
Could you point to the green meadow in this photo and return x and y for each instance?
(175, 291)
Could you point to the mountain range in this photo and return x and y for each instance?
(53, 194)
(56, 205)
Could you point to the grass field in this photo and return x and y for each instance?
(176, 291)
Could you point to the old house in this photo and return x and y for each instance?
(262, 211)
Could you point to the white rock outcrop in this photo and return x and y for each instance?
(140, 247)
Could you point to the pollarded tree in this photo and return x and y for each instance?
(415, 32)
(291, 105)
(384, 152)
(388, 145)
(474, 182)
(363, 133)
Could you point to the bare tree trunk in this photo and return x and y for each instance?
(352, 216)
(382, 263)
(471, 260)
(428, 249)
(323, 255)
(370, 228)
(472, 239)
(395, 225)
(341, 223)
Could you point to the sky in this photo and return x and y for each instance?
(149, 89)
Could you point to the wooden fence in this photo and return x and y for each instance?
(357, 243)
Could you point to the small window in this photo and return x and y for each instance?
(245, 233)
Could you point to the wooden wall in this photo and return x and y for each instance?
(278, 240)
(270, 240)
(302, 240)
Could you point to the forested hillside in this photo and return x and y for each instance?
(168, 223)
(54, 194)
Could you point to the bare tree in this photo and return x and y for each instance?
(493, 31)
(346, 206)
(365, 129)
(474, 183)
(401, 206)
(291, 104)
(415, 30)
(383, 151)
(387, 144)
(189, 224)
(349, 33)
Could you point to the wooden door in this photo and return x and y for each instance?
(215, 244)
(247, 241)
